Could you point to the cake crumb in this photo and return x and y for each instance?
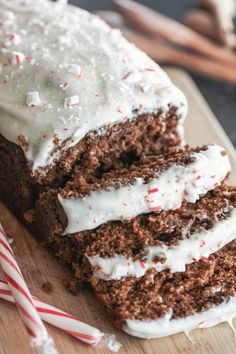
(47, 287)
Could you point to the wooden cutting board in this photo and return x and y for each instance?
(38, 267)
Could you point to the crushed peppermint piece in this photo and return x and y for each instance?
(71, 101)
(75, 70)
(150, 69)
(194, 259)
(153, 190)
(64, 86)
(146, 199)
(17, 58)
(32, 99)
(201, 323)
(157, 208)
(142, 265)
(202, 243)
(126, 76)
(186, 193)
(132, 77)
(204, 259)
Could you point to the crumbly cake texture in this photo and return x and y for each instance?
(159, 304)
(72, 86)
(119, 147)
(155, 184)
(167, 230)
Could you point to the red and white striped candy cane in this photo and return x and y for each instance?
(20, 292)
(56, 317)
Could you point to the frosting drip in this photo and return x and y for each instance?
(84, 76)
(166, 326)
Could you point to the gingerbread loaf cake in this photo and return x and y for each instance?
(75, 93)
(92, 160)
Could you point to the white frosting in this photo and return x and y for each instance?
(166, 326)
(86, 74)
(197, 246)
(165, 192)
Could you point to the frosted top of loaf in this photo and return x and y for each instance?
(64, 72)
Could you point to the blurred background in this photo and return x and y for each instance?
(220, 95)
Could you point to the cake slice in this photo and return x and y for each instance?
(75, 92)
(161, 304)
(155, 184)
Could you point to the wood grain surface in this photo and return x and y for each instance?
(39, 267)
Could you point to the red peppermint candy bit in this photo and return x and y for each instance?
(17, 59)
(205, 259)
(119, 110)
(186, 194)
(81, 73)
(216, 184)
(126, 76)
(142, 265)
(28, 59)
(65, 129)
(146, 199)
(157, 208)
(198, 177)
(149, 69)
(202, 243)
(214, 176)
(153, 190)
(194, 259)
(200, 323)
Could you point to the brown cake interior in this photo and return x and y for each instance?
(97, 152)
(201, 286)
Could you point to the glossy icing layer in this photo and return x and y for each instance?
(64, 72)
(166, 191)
